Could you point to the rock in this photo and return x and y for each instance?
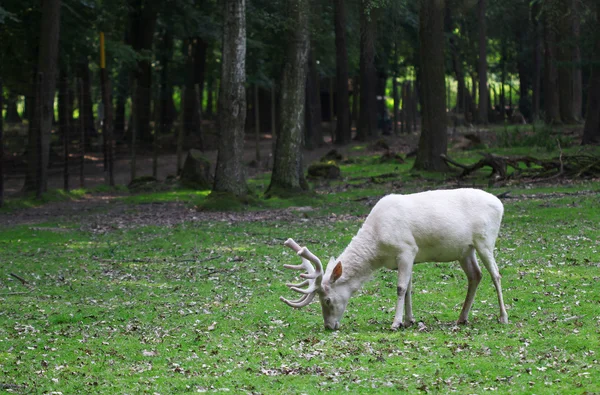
(196, 171)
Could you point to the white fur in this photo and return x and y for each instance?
(434, 226)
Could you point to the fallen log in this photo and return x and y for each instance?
(568, 166)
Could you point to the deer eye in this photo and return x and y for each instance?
(328, 301)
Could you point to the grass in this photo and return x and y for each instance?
(196, 308)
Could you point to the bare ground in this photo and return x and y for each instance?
(101, 212)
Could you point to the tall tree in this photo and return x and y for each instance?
(143, 22)
(551, 95)
(43, 111)
(433, 141)
(367, 118)
(482, 64)
(576, 58)
(1, 144)
(314, 132)
(565, 62)
(591, 130)
(343, 131)
(288, 174)
(230, 176)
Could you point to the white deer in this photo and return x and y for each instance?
(401, 230)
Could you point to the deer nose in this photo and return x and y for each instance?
(333, 326)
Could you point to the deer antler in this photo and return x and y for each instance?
(312, 276)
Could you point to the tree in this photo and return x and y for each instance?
(43, 110)
(230, 176)
(591, 130)
(143, 22)
(433, 141)
(482, 64)
(343, 131)
(367, 118)
(551, 92)
(565, 63)
(288, 174)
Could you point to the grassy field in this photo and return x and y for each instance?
(195, 307)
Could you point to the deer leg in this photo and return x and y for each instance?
(487, 257)
(473, 272)
(408, 313)
(405, 265)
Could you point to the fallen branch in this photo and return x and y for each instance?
(570, 166)
(21, 279)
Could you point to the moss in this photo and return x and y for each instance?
(329, 170)
(223, 201)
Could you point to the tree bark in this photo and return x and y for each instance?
(195, 52)
(230, 176)
(65, 118)
(537, 61)
(45, 84)
(314, 133)
(482, 64)
(551, 95)
(591, 129)
(433, 141)
(88, 113)
(576, 58)
(343, 129)
(288, 174)
(144, 17)
(367, 119)
(1, 145)
(565, 63)
(167, 113)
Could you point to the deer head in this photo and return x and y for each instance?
(333, 299)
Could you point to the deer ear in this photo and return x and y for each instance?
(337, 272)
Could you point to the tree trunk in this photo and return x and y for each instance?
(551, 98)
(88, 113)
(195, 52)
(355, 100)
(396, 116)
(314, 133)
(230, 175)
(65, 118)
(343, 128)
(107, 124)
(433, 141)
(565, 63)
(576, 58)
(482, 64)
(407, 108)
(45, 84)
(1, 145)
(537, 61)
(591, 129)
(210, 86)
(288, 174)
(12, 113)
(367, 119)
(166, 113)
(144, 17)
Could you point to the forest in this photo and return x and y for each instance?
(89, 81)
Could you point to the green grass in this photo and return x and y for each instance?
(196, 307)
